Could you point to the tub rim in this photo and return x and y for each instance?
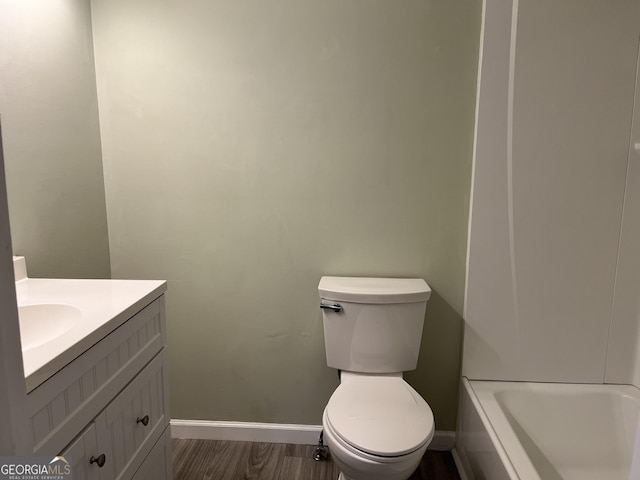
(484, 403)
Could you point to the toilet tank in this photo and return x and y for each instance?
(373, 325)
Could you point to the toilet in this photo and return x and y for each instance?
(377, 427)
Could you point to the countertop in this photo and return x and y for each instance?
(105, 305)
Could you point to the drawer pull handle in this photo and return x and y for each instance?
(100, 460)
(144, 420)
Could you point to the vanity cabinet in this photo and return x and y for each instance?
(108, 410)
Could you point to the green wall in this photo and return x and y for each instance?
(251, 147)
(247, 151)
(49, 113)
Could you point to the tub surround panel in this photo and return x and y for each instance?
(623, 354)
(542, 244)
(551, 244)
(490, 345)
(570, 151)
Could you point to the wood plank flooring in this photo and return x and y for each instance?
(223, 460)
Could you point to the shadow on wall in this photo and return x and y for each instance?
(438, 374)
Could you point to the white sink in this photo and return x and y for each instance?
(44, 322)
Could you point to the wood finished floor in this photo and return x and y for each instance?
(223, 460)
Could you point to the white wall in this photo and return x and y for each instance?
(548, 188)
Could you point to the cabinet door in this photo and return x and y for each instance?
(135, 420)
(84, 456)
(157, 465)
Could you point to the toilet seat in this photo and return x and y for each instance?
(380, 415)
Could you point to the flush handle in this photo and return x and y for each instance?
(336, 307)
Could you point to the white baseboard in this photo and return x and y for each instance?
(271, 433)
(443, 441)
(246, 431)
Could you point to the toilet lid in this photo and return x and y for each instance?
(380, 415)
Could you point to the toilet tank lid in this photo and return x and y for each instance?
(374, 290)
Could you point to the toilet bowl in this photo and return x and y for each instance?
(377, 427)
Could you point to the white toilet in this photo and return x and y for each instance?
(376, 425)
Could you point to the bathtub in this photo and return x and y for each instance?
(543, 431)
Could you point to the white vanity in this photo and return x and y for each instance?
(97, 382)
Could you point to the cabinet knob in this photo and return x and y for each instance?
(144, 420)
(100, 460)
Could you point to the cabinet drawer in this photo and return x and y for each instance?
(127, 438)
(84, 455)
(71, 398)
(80, 453)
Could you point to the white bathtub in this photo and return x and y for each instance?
(542, 431)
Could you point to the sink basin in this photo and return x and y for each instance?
(44, 322)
